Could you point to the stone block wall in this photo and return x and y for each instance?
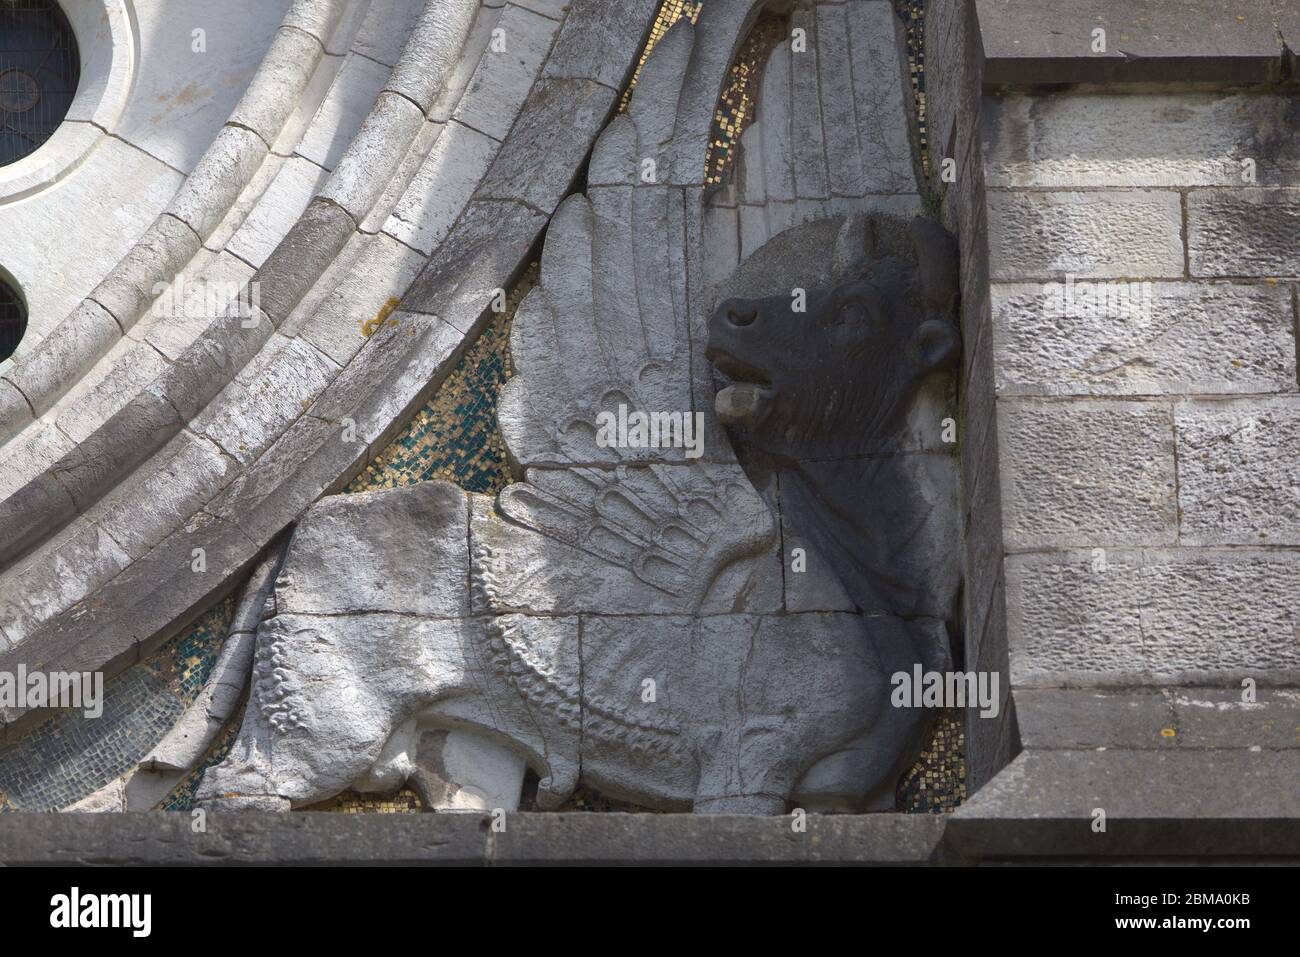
(1144, 266)
(1130, 402)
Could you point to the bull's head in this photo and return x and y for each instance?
(836, 375)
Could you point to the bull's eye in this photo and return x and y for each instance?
(846, 312)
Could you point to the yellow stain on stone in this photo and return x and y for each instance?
(370, 325)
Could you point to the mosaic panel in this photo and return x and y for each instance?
(670, 11)
(455, 435)
(69, 756)
(735, 110)
(912, 13)
(937, 782)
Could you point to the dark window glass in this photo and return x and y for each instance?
(13, 316)
(39, 70)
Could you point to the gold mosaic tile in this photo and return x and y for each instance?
(735, 110)
(670, 11)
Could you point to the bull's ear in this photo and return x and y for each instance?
(937, 267)
(938, 344)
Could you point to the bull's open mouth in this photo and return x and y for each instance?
(748, 398)
(735, 369)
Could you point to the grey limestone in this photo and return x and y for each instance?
(1070, 140)
(1238, 472)
(1122, 338)
(1244, 232)
(1028, 43)
(1125, 617)
(1086, 473)
(1049, 235)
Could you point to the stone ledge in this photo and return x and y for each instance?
(1031, 42)
(465, 839)
(1020, 830)
(1159, 805)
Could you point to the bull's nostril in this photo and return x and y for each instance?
(741, 313)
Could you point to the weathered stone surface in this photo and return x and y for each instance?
(811, 580)
(284, 195)
(318, 18)
(330, 711)
(189, 738)
(812, 180)
(110, 798)
(15, 411)
(1143, 338)
(551, 136)
(365, 170)
(131, 369)
(991, 740)
(1244, 232)
(279, 84)
(1048, 236)
(123, 442)
(194, 301)
(128, 290)
(603, 331)
(209, 363)
(109, 202)
(387, 28)
(766, 682)
(226, 168)
(1132, 617)
(338, 120)
(1126, 140)
(270, 392)
(551, 545)
(43, 373)
(141, 512)
(1146, 41)
(881, 94)
(467, 839)
(504, 77)
(1078, 718)
(81, 558)
(356, 553)
(460, 771)
(360, 290)
(433, 46)
(301, 257)
(1086, 473)
(599, 42)
(107, 631)
(30, 455)
(1188, 805)
(460, 283)
(1239, 472)
(441, 187)
(1220, 718)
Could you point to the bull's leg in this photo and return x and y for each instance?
(744, 770)
(459, 770)
(243, 781)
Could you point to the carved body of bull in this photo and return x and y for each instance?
(369, 684)
(747, 711)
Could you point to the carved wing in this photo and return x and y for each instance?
(624, 525)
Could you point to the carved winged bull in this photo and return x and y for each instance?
(620, 616)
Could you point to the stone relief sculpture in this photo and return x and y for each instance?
(619, 616)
